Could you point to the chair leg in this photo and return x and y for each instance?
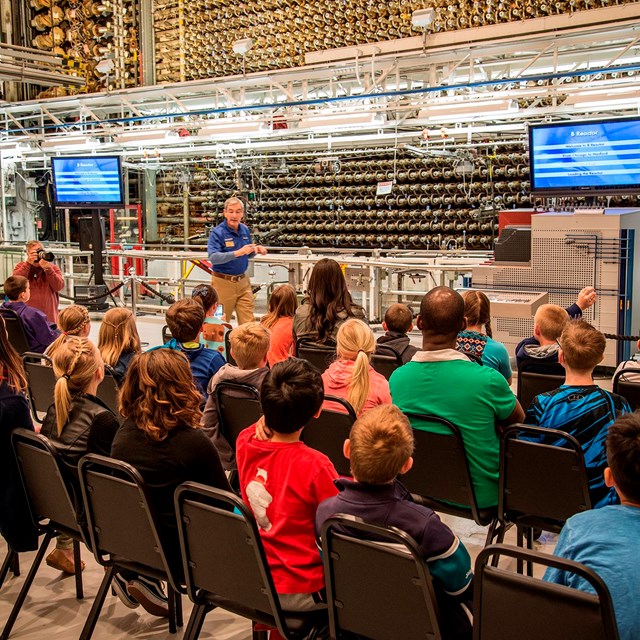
(171, 598)
(258, 632)
(8, 565)
(26, 586)
(179, 619)
(15, 564)
(196, 620)
(94, 614)
(520, 543)
(77, 562)
(529, 537)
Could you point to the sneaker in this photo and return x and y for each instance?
(149, 593)
(119, 588)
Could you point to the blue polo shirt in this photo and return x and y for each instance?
(223, 241)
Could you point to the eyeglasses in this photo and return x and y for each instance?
(558, 343)
(201, 290)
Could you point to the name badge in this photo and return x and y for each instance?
(228, 243)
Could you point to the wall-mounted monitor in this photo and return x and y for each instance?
(585, 158)
(88, 182)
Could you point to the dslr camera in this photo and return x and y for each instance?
(45, 255)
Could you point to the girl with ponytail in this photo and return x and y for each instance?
(78, 422)
(351, 376)
(477, 338)
(73, 320)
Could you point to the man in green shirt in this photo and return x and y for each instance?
(443, 382)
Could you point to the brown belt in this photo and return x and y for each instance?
(224, 276)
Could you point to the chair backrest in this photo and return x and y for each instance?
(219, 538)
(166, 334)
(47, 481)
(626, 383)
(385, 360)
(227, 348)
(535, 378)
(41, 379)
(509, 604)
(541, 485)
(319, 355)
(373, 589)
(440, 474)
(15, 330)
(328, 431)
(120, 518)
(108, 390)
(238, 408)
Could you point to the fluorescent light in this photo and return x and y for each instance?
(452, 109)
(70, 142)
(328, 120)
(225, 128)
(605, 99)
(422, 18)
(146, 137)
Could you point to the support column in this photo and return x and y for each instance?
(149, 206)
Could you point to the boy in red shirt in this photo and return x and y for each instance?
(284, 481)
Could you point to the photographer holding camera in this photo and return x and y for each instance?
(45, 279)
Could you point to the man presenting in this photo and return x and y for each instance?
(229, 250)
(45, 280)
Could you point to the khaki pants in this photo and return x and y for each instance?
(235, 296)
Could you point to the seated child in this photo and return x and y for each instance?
(284, 481)
(73, 320)
(351, 376)
(40, 333)
(118, 341)
(398, 322)
(185, 319)
(379, 448)
(477, 338)
(579, 406)
(279, 320)
(606, 540)
(249, 347)
(548, 324)
(214, 328)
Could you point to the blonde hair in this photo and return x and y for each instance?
(75, 363)
(582, 345)
(550, 320)
(381, 442)
(355, 342)
(249, 344)
(159, 394)
(72, 320)
(118, 335)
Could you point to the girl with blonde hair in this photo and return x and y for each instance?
(279, 320)
(73, 320)
(118, 340)
(77, 422)
(351, 375)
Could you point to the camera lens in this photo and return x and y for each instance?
(45, 255)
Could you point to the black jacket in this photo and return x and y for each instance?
(400, 343)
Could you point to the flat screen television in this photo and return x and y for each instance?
(88, 182)
(585, 158)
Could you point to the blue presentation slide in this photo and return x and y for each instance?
(87, 180)
(596, 155)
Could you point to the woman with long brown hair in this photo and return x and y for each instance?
(162, 439)
(327, 306)
(16, 525)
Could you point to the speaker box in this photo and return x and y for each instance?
(85, 231)
(92, 296)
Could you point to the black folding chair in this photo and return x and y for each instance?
(535, 378)
(11, 563)
(108, 390)
(227, 348)
(166, 334)
(377, 591)
(225, 564)
(319, 355)
(50, 493)
(509, 605)
(385, 360)
(440, 476)
(328, 431)
(541, 485)
(123, 532)
(15, 330)
(42, 382)
(626, 383)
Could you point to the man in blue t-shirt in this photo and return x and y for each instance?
(606, 540)
(579, 407)
(229, 250)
